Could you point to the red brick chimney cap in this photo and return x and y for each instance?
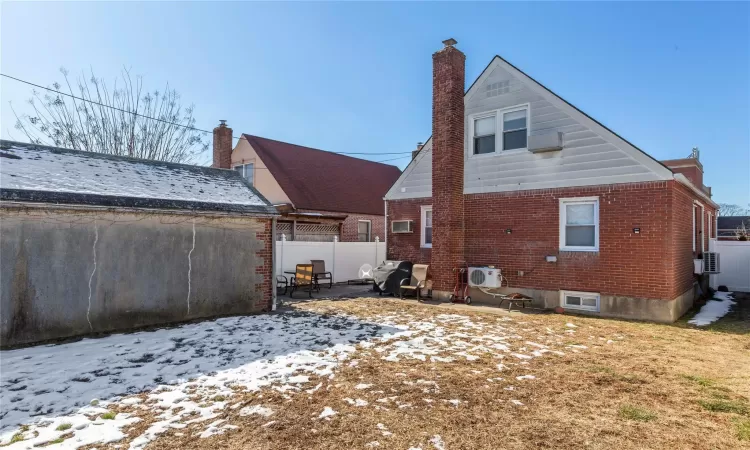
(450, 42)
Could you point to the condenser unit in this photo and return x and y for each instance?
(484, 277)
(710, 262)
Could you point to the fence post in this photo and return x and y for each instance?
(333, 270)
(377, 241)
(281, 262)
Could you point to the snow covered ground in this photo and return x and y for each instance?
(714, 309)
(185, 378)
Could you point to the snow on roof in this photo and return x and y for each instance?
(53, 175)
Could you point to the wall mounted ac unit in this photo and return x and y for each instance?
(484, 277)
(710, 262)
(402, 226)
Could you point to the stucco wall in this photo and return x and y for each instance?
(66, 273)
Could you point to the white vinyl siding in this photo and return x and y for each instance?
(585, 301)
(426, 225)
(579, 224)
(590, 155)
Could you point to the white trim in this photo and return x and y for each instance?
(499, 130)
(578, 200)
(684, 180)
(564, 294)
(369, 230)
(703, 226)
(710, 225)
(424, 209)
(392, 193)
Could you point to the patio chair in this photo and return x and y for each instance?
(303, 278)
(417, 282)
(319, 270)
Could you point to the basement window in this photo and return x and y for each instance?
(579, 224)
(586, 301)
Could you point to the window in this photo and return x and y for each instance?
(246, 170)
(484, 135)
(579, 224)
(495, 89)
(363, 230)
(586, 301)
(427, 226)
(514, 130)
(505, 129)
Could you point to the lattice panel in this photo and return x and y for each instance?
(307, 232)
(284, 228)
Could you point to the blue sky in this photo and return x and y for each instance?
(357, 76)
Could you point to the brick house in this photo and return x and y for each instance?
(321, 195)
(574, 215)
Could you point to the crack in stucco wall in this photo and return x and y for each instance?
(91, 278)
(190, 268)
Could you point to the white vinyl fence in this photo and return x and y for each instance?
(343, 259)
(734, 264)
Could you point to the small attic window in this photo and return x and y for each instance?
(495, 89)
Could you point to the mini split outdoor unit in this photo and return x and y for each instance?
(484, 277)
(710, 262)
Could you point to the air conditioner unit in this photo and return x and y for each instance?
(710, 262)
(402, 226)
(484, 277)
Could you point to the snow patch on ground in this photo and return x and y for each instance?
(714, 309)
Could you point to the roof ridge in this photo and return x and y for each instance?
(319, 150)
(107, 156)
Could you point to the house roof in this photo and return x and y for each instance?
(319, 180)
(638, 154)
(41, 174)
(731, 222)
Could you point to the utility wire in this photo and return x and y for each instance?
(172, 123)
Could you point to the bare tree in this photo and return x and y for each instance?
(727, 209)
(126, 121)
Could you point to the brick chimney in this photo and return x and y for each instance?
(222, 146)
(415, 152)
(447, 166)
(691, 167)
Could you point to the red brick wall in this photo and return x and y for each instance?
(406, 246)
(267, 286)
(656, 263)
(447, 165)
(626, 264)
(222, 147)
(349, 230)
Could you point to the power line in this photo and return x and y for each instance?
(166, 121)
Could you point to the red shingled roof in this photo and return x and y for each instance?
(325, 181)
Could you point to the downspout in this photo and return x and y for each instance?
(273, 264)
(385, 227)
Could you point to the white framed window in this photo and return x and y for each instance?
(426, 235)
(579, 224)
(586, 301)
(498, 131)
(247, 171)
(364, 228)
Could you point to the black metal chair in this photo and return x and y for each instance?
(282, 282)
(319, 270)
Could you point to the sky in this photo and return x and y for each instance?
(357, 77)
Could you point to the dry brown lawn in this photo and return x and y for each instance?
(634, 385)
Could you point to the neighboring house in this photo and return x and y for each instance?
(728, 226)
(573, 214)
(321, 195)
(94, 243)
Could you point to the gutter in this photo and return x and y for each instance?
(683, 180)
(131, 209)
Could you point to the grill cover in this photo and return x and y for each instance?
(388, 276)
